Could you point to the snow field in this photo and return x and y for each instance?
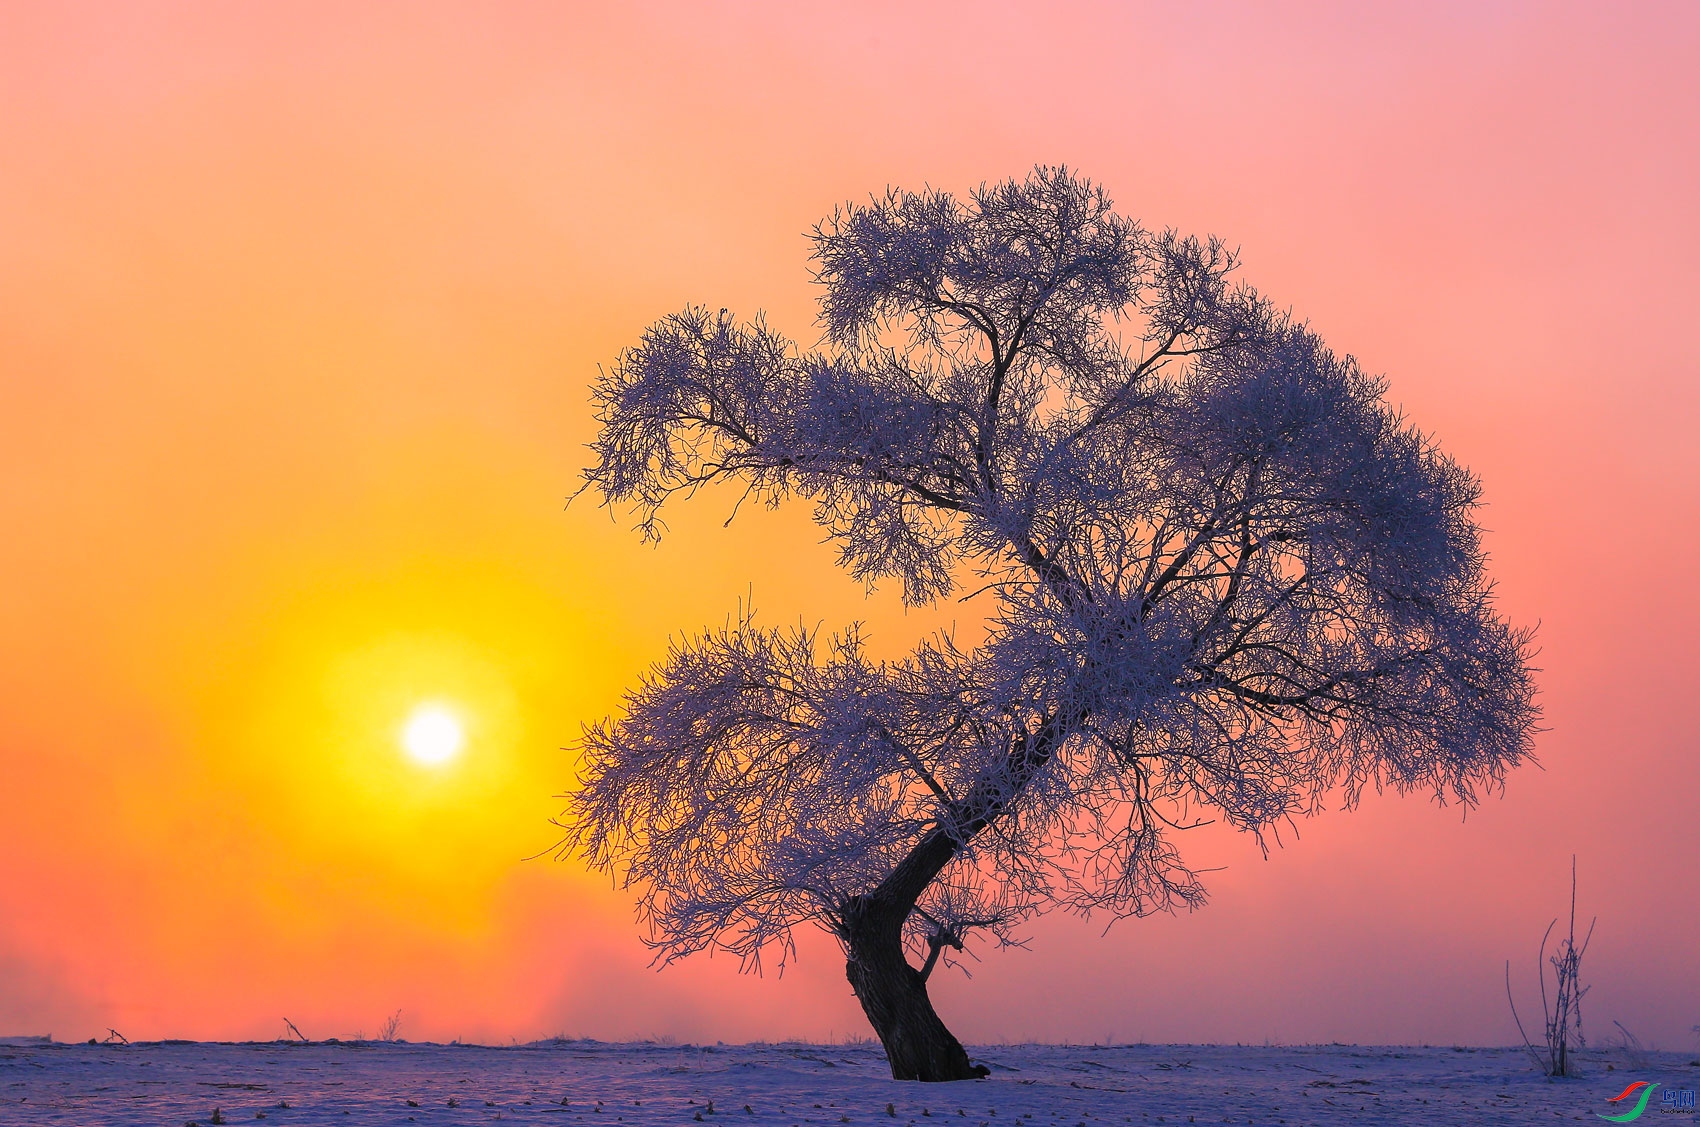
(596, 1084)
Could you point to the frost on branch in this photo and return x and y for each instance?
(1223, 578)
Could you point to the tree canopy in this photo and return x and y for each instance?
(1224, 578)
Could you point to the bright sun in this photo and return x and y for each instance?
(432, 735)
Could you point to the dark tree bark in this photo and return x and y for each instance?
(894, 996)
(893, 993)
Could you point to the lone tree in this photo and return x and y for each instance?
(1227, 576)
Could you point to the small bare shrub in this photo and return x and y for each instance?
(1635, 1054)
(390, 1028)
(1563, 1012)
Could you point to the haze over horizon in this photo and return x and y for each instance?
(298, 315)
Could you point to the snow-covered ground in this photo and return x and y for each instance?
(596, 1084)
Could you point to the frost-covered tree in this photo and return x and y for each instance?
(1226, 577)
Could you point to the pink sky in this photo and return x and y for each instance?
(298, 312)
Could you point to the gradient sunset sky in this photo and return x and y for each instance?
(299, 307)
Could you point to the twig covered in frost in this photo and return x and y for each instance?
(1564, 1012)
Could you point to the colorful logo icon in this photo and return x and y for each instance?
(1646, 1093)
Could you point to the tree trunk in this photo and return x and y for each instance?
(893, 993)
(894, 996)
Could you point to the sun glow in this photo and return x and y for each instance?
(432, 735)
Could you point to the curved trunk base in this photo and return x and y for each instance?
(894, 996)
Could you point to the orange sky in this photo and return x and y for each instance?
(298, 310)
